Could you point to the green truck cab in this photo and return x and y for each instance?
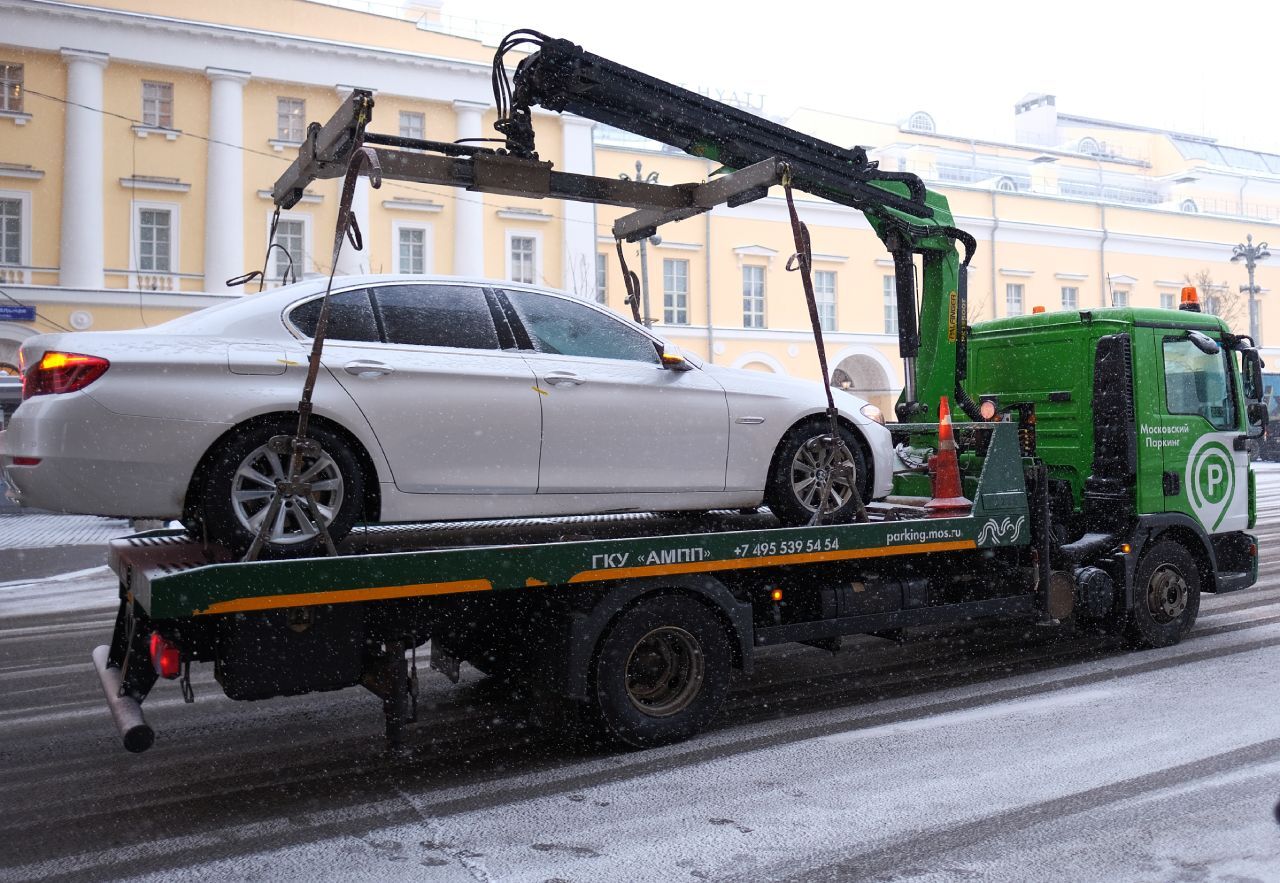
(1142, 417)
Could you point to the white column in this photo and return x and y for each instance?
(468, 223)
(80, 252)
(579, 217)
(224, 183)
(350, 261)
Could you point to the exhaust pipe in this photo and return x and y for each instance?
(125, 710)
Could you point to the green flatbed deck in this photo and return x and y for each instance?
(170, 576)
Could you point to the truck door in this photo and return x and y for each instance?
(1205, 468)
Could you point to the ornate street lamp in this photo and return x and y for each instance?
(1251, 254)
(642, 178)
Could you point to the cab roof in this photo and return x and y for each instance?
(1122, 316)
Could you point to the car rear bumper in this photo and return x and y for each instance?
(96, 462)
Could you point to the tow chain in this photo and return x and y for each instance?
(837, 468)
(295, 491)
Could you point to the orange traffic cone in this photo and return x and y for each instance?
(948, 494)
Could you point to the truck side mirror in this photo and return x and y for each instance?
(1251, 370)
(1258, 417)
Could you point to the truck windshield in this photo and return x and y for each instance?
(1197, 383)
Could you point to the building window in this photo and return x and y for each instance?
(1013, 299)
(1189, 206)
(291, 119)
(11, 87)
(412, 125)
(824, 291)
(1089, 146)
(1166, 300)
(1120, 298)
(155, 240)
(157, 105)
(675, 291)
(1070, 297)
(413, 250)
(602, 278)
(921, 122)
(11, 232)
(890, 305)
(291, 235)
(753, 297)
(1007, 185)
(524, 250)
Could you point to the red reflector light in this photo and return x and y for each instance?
(165, 658)
(26, 461)
(62, 372)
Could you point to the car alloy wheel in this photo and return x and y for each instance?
(815, 465)
(255, 481)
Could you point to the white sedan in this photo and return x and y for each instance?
(441, 398)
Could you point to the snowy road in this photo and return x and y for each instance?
(996, 756)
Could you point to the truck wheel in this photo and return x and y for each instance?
(238, 487)
(1166, 596)
(800, 467)
(661, 672)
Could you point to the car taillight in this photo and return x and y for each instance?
(62, 372)
(165, 657)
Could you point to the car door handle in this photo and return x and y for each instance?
(563, 378)
(365, 368)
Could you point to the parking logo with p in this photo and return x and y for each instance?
(1211, 481)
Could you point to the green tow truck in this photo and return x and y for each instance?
(1102, 454)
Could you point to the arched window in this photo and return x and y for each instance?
(921, 122)
(1008, 185)
(1089, 146)
(1189, 206)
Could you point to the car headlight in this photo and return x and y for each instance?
(871, 412)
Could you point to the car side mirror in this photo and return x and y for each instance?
(672, 361)
(675, 362)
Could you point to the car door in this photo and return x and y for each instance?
(613, 418)
(453, 412)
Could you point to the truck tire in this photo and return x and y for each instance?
(661, 672)
(1166, 596)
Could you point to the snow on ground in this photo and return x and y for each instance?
(1109, 780)
(88, 590)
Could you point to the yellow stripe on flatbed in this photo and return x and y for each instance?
(347, 596)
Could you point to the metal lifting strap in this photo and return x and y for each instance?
(802, 260)
(261, 275)
(295, 491)
(632, 284)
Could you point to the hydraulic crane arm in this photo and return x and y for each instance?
(910, 220)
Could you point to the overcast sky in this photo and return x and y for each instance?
(965, 63)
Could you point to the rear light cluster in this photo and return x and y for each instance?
(62, 372)
(165, 656)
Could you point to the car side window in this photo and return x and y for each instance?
(350, 317)
(436, 315)
(560, 326)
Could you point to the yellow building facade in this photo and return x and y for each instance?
(139, 144)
